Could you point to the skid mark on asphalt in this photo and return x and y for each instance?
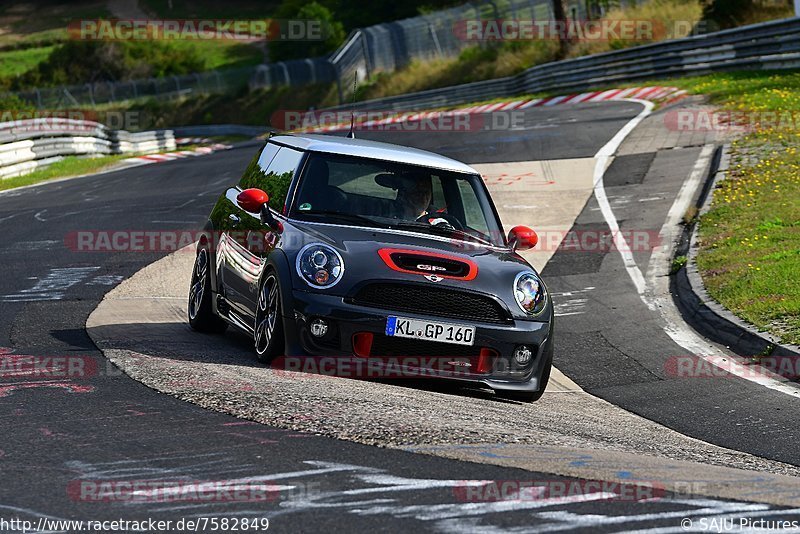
(53, 286)
(533, 504)
(29, 246)
(570, 302)
(106, 280)
(69, 386)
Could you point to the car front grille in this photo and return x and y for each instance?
(432, 301)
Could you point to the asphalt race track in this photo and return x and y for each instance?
(109, 427)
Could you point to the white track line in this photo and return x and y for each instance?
(656, 297)
(603, 157)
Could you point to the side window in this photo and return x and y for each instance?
(267, 155)
(272, 171)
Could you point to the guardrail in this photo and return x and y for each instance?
(768, 45)
(28, 145)
(392, 45)
(220, 129)
(164, 88)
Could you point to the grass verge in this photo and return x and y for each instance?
(69, 166)
(749, 254)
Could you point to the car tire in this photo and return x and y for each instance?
(268, 328)
(529, 396)
(200, 311)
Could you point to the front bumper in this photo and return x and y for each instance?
(393, 357)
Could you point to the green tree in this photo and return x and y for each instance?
(333, 33)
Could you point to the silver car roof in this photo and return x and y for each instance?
(371, 149)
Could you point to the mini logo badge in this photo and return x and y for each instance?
(434, 278)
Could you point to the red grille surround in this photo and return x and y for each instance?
(444, 265)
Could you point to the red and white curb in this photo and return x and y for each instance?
(169, 156)
(192, 141)
(652, 94)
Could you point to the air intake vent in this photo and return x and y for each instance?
(423, 263)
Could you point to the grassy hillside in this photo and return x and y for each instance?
(494, 60)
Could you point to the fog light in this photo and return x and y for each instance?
(522, 355)
(319, 328)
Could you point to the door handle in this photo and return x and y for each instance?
(234, 219)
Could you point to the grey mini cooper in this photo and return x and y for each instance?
(367, 257)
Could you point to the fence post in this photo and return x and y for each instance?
(312, 68)
(38, 98)
(365, 53)
(435, 40)
(285, 73)
(91, 93)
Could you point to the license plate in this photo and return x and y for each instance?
(430, 331)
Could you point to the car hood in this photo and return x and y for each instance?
(496, 268)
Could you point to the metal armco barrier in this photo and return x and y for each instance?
(28, 145)
(390, 46)
(769, 45)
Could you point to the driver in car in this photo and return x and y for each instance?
(414, 195)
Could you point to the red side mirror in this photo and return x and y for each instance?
(522, 238)
(252, 200)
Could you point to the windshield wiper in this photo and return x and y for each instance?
(352, 217)
(441, 230)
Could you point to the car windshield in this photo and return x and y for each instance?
(385, 194)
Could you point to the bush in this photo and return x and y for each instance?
(732, 13)
(77, 62)
(9, 102)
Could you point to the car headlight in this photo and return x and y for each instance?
(320, 265)
(529, 293)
